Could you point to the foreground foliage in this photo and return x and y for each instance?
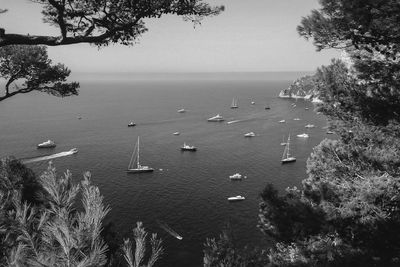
(48, 229)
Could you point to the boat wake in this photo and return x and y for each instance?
(49, 157)
(169, 230)
(230, 122)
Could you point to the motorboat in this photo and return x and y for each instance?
(176, 133)
(216, 118)
(237, 198)
(181, 110)
(47, 144)
(236, 176)
(310, 126)
(303, 135)
(131, 124)
(250, 134)
(134, 164)
(329, 132)
(306, 108)
(286, 157)
(267, 107)
(186, 147)
(296, 119)
(282, 121)
(74, 150)
(253, 103)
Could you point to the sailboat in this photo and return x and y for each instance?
(286, 158)
(234, 103)
(137, 168)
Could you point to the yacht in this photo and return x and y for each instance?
(282, 121)
(310, 126)
(186, 147)
(236, 176)
(134, 164)
(234, 103)
(131, 124)
(47, 144)
(237, 198)
(176, 133)
(303, 135)
(250, 134)
(216, 118)
(286, 157)
(181, 110)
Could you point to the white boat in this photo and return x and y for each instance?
(216, 118)
(74, 151)
(181, 110)
(303, 135)
(47, 144)
(237, 198)
(252, 102)
(310, 126)
(306, 108)
(236, 176)
(186, 147)
(250, 134)
(296, 119)
(131, 124)
(282, 121)
(134, 164)
(286, 157)
(329, 132)
(234, 103)
(176, 133)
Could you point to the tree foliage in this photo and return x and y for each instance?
(29, 69)
(102, 22)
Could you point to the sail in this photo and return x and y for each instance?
(135, 156)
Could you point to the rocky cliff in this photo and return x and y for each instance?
(304, 87)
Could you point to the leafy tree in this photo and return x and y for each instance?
(55, 232)
(102, 22)
(31, 66)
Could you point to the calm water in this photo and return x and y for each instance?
(190, 191)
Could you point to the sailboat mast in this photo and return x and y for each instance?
(288, 148)
(138, 150)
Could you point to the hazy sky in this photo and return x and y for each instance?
(251, 35)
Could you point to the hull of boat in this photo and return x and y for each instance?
(139, 170)
(188, 149)
(46, 146)
(235, 199)
(288, 160)
(215, 120)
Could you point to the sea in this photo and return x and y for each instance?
(188, 191)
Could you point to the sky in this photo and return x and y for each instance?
(249, 36)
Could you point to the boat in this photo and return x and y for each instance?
(47, 144)
(169, 230)
(306, 108)
(131, 124)
(303, 135)
(282, 121)
(186, 147)
(216, 118)
(74, 151)
(176, 133)
(181, 110)
(310, 126)
(234, 103)
(236, 176)
(267, 107)
(286, 157)
(237, 198)
(250, 134)
(329, 132)
(296, 119)
(135, 158)
(253, 103)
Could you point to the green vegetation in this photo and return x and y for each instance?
(41, 223)
(28, 69)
